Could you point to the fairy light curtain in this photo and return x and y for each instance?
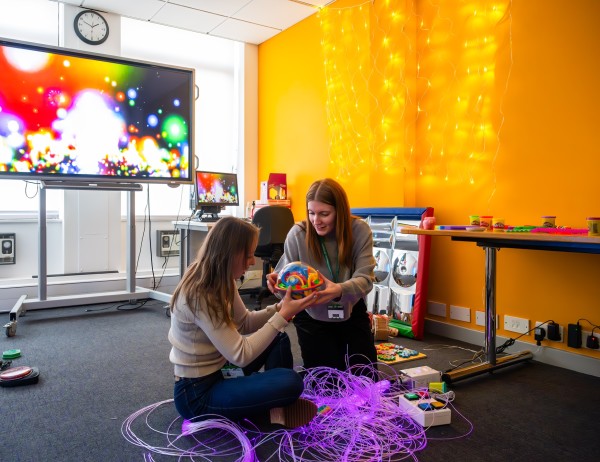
(415, 81)
(364, 55)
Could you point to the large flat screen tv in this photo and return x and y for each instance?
(215, 190)
(67, 115)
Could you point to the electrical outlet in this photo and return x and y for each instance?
(7, 248)
(514, 324)
(480, 318)
(436, 309)
(459, 313)
(545, 326)
(168, 243)
(584, 338)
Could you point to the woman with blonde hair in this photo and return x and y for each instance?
(215, 337)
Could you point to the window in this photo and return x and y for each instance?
(216, 130)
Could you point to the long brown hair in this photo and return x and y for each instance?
(331, 192)
(210, 276)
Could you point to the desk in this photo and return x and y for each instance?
(185, 228)
(491, 243)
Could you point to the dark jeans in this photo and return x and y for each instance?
(248, 396)
(338, 344)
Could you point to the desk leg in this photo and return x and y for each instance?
(184, 250)
(490, 304)
(492, 363)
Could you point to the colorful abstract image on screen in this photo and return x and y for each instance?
(213, 188)
(77, 115)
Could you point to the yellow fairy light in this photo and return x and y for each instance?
(381, 54)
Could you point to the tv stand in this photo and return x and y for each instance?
(43, 301)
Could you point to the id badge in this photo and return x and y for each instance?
(335, 311)
(230, 371)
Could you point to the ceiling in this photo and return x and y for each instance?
(250, 21)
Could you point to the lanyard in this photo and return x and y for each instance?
(326, 255)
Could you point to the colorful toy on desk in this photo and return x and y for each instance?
(562, 230)
(303, 279)
(520, 229)
(460, 228)
(452, 227)
(429, 223)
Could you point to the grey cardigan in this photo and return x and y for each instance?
(356, 282)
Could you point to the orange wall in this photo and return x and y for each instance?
(303, 78)
(292, 129)
(539, 156)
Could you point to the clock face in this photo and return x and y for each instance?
(91, 27)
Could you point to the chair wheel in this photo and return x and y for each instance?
(11, 329)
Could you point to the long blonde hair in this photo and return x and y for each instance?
(210, 276)
(331, 192)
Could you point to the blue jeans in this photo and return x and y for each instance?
(249, 396)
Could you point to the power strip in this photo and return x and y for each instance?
(426, 411)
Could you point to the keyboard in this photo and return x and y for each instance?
(208, 219)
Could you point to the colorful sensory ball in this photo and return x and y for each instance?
(303, 279)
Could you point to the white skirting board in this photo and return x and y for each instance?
(80, 286)
(546, 355)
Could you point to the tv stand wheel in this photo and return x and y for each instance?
(11, 328)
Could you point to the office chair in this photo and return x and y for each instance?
(274, 222)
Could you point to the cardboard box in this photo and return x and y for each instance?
(420, 377)
(261, 204)
(277, 187)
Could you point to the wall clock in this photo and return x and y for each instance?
(91, 27)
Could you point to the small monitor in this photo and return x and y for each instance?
(214, 191)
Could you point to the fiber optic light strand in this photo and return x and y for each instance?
(364, 423)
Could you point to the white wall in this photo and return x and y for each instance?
(39, 21)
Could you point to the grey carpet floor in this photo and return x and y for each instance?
(100, 364)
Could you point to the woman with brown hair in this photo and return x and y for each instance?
(336, 332)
